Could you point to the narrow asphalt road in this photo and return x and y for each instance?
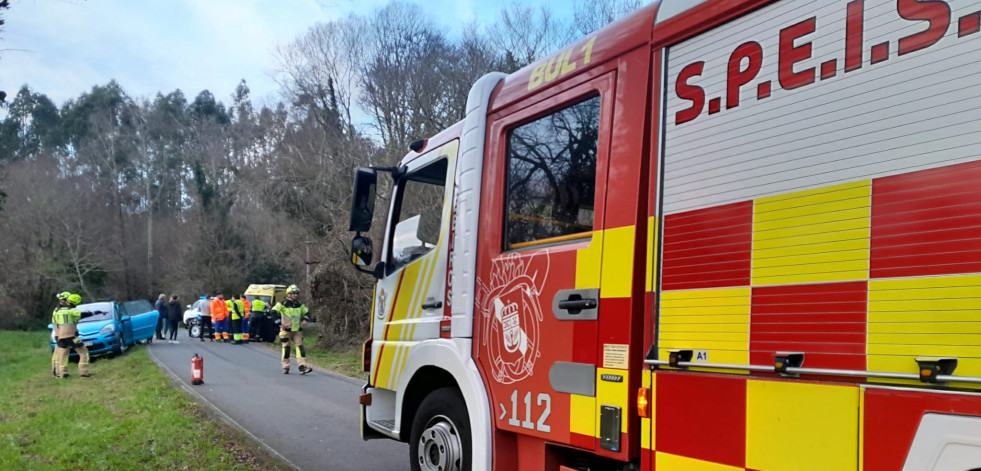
(311, 421)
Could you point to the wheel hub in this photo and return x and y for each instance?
(439, 446)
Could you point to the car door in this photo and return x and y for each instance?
(125, 324)
(143, 320)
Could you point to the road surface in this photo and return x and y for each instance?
(310, 421)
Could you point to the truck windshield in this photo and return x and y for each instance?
(93, 312)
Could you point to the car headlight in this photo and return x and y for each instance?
(108, 329)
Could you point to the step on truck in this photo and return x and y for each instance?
(717, 235)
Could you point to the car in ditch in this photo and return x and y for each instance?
(110, 327)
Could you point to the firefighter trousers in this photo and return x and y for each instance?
(287, 336)
(64, 346)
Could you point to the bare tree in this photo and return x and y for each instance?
(526, 34)
(320, 69)
(591, 15)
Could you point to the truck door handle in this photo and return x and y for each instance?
(432, 305)
(575, 306)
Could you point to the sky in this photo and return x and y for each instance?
(63, 48)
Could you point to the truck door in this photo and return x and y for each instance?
(537, 304)
(410, 296)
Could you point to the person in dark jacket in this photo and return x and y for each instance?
(161, 307)
(173, 317)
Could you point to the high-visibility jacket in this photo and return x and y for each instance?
(219, 310)
(65, 320)
(236, 309)
(290, 313)
(247, 307)
(258, 305)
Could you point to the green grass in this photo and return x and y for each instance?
(342, 360)
(127, 416)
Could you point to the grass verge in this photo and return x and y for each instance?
(344, 361)
(127, 416)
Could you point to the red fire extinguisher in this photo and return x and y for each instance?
(197, 369)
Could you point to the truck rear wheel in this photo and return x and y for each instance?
(440, 434)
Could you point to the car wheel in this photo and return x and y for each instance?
(194, 331)
(440, 435)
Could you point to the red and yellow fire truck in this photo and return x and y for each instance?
(740, 235)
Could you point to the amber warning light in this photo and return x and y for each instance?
(644, 402)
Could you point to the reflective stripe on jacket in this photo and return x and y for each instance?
(290, 313)
(65, 319)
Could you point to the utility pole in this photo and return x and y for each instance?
(308, 262)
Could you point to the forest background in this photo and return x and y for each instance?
(120, 197)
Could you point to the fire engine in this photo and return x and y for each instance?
(712, 236)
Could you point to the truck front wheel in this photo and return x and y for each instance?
(440, 437)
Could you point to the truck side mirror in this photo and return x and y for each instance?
(361, 251)
(363, 199)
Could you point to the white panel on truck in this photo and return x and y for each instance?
(804, 94)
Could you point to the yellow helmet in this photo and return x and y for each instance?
(293, 289)
(75, 299)
(63, 296)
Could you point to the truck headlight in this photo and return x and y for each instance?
(108, 329)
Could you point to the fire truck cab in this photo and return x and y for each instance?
(731, 235)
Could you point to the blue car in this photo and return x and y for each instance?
(112, 327)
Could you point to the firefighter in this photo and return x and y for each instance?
(219, 313)
(236, 311)
(292, 315)
(66, 331)
(246, 314)
(62, 303)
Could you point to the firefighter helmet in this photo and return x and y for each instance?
(75, 299)
(293, 289)
(63, 296)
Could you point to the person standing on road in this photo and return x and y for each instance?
(161, 308)
(65, 322)
(258, 306)
(219, 312)
(246, 313)
(235, 308)
(173, 317)
(207, 328)
(292, 316)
